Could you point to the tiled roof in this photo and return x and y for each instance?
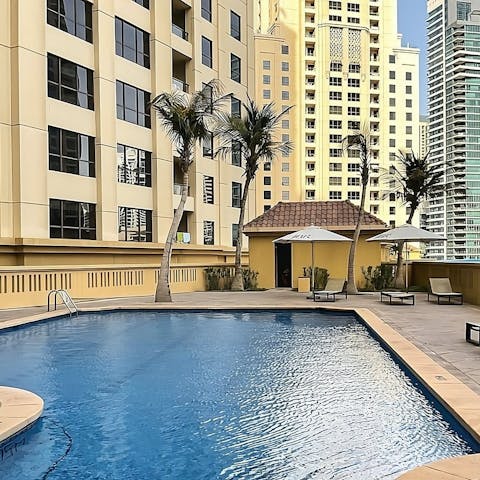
(340, 215)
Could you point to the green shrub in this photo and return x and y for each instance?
(320, 276)
(221, 278)
(379, 278)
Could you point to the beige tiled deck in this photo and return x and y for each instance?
(437, 353)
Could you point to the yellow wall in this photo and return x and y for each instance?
(330, 255)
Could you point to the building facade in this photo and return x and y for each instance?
(343, 67)
(423, 130)
(453, 100)
(84, 162)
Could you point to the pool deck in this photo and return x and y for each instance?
(430, 338)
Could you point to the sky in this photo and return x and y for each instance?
(412, 16)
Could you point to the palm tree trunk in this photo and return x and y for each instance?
(399, 281)
(162, 293)
(237, 284)
(351, 285)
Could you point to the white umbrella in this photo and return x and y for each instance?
(313, 235)
(407, 233)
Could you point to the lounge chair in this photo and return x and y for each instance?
(441, 288)
(334, 287)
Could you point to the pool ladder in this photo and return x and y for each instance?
(66, 299)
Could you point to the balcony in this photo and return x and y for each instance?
(178, 84)
(179, 32)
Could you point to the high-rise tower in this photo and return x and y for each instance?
(454, 114)
(341, 64)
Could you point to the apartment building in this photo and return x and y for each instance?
(453, 100)
(84, 162)
(343, 67)
(423, 129)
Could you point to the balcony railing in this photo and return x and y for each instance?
(179, 32)
(180, 85)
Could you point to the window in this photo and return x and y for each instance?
(334, 5)
(235, 25)
(207, 10)
(391, 88)
(392, 129)
(334, 195)
(285, 195)
(353, 7)
(335, 124)
(207, 56)
(235, 68)
(408, 89)
(234, 234)
(267, 195)
(335, 181)
(236, 154)
(408, 103)
(355, 111)
(208, 232)
(134, 224)
(285, 67)
(235, 107)
(208, 195)
(335, 81)
(353, 82)
(133, 104)
(408, 75)
(285, 137)
(134, 166)
(72, 220)
(132, 43)
(284, 49)
(285, 81)
(266, 208)
(310, 194)
(285, 95)
(353, 167)
(335, 167)
(267, 94)
(335, 18)
(391, 210)
(391, 75)
(408, 130)
(335, 66)
(285, 167)
(353, 20)
(353, 153)
(335, 95)
(71, 152)
(353, 125)
(354, 68)
(267, 180)
(266, 79)
(392, 197)
(285, 124)
(267, 166)
(335, 138)
(236, 194)
(391, 102)
(335, 152)
(391, 59)
(353, 97)
(408, 117)
(207, 149)
(73, 16)
(353, 181)
(266, 64)
(143, 3)
(353, 195)
(392, 115)
(285, 181)
(408, 143)
(391, 142)
(70, 82)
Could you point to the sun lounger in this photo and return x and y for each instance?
(398, 295)
(441, 288)
(334, 287)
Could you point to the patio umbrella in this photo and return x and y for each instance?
(312, 235)
(407, 233)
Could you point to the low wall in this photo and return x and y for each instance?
(464, 277)
(29, 286)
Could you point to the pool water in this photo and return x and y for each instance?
(217, 395)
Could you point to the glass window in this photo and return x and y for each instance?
(132, 43)
(236, 154)
(71, 152)
(285, 95)
(235, 107)
(236, 194)
(285, 66)
(207, 10)
(208, 232)
(72, 16)
(391, 58)
(266, 94)
(235, 25)
(284, 49)
(134, 224)
(207, 55)
(285, 81)
(207, 148)
(133, 104)
(143, 3)
(267, 195)
(266, 64)
(134, 166)
(72, 219)
(234, 234)
(235, 68)
(208, 192)
(70, 82)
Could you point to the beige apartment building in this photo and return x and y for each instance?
(343, 67)
(85, 167)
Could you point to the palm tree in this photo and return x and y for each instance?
(414, 183)
(187, 120)
(252, 138)
(360, 142)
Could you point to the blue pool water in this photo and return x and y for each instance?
(205, 396)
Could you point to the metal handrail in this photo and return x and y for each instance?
(66, 299)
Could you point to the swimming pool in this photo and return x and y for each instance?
(218, 395)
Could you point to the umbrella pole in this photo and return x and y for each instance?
(312, 273)
(406, 266)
